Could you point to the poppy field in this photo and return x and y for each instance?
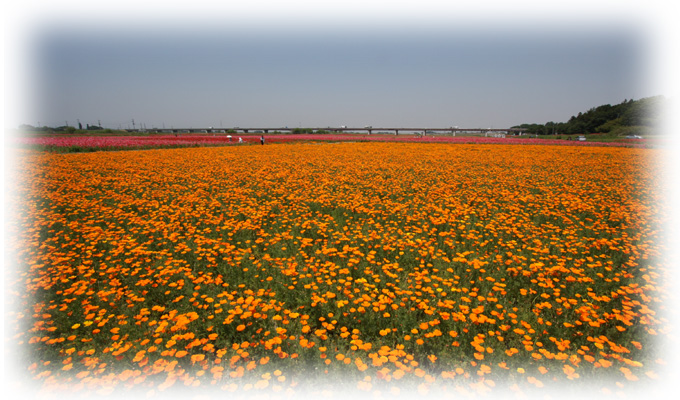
(382, 268)
(56, 143)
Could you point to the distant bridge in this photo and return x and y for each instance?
(368, 129)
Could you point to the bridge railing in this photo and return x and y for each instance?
(368, 130)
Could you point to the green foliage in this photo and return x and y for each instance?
(31, 128)
(632, 130)
(620, 118)
(644, 112)
(302, 130)
(610, 125)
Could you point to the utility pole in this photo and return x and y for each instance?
(133, 123)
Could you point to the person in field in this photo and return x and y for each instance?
(262, 139)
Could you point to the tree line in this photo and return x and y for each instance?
(629, 117)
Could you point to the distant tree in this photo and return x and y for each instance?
(65, 129)
(644, 112)
(549, 128)
(606, 118)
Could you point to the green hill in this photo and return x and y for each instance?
(631, 117)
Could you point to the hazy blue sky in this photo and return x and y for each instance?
(418, 74)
